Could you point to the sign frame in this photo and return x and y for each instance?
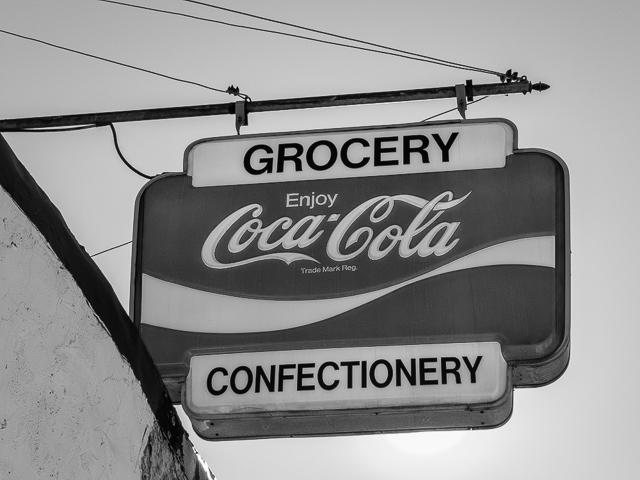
(343, 421)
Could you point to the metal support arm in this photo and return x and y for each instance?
(267, 106)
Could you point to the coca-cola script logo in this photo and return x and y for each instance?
(423, 236)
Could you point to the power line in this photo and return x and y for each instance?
(131, 167)
(121, 64)
(83, 127)
(256, 29)
(48, 129)
(391, 51)
(112, 248)
(452, 110)
(429, 59)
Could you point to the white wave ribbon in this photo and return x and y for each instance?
(168, 305)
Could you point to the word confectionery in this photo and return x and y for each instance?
(341, 375)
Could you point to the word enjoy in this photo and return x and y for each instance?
(297, 200)
(423, 236)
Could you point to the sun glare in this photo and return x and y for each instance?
(426, 443)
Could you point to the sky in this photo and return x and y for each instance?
(585, 425)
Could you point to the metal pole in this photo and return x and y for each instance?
(266, 106)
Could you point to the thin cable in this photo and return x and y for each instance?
(24, 37)
(394, 52)
(435, 60)
(82, 127)
(112, 248)
(48, 129)
(115, 142)
(453, 109)
(263, 30)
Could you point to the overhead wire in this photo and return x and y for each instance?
(121, 64)
(48, 129)
(131, 167)
(112, 248)
(426, 58)
(452, 110)
(84, 127)
(387, 50)
(256, 29)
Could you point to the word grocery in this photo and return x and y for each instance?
(323, 154)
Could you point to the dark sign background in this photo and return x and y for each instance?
(522, 307)
(509, 203)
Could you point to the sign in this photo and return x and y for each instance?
(344, 281)
(330, 378)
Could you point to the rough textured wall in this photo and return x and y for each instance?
(71, 405)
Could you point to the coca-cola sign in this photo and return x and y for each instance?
(344, 243)
(428, 234)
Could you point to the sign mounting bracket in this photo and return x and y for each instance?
(242, 115)
(464, 94)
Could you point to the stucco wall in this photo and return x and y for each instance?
(70, 404)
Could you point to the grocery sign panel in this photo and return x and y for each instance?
(355, 280)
